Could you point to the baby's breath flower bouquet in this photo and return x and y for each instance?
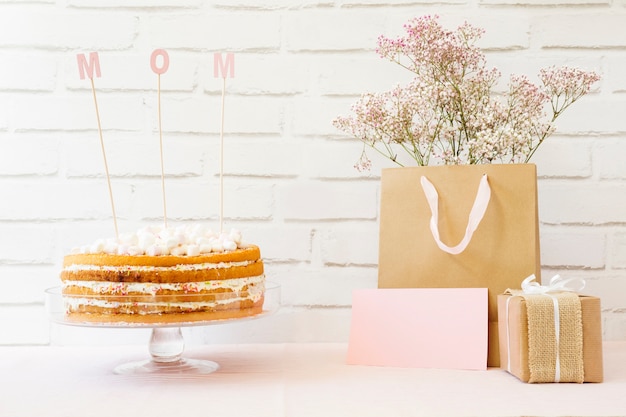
(448, 113)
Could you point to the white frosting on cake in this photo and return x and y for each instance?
(158, 240)
(147, 268)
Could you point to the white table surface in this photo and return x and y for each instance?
(285, 380)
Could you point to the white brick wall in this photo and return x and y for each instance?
(290, 185)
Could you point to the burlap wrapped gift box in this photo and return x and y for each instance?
(517, 358)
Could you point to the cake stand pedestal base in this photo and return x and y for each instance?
(166, 341)
(166, 348)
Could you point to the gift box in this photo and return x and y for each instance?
(550, 337)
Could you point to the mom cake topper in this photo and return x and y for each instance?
(158, 70)
(88, 68)
(223, 67)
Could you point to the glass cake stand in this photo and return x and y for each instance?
(166, 343)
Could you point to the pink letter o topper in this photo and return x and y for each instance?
(153, 61)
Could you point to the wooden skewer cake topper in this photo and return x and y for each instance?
(220, 69)
(158, 70)
(87, 68)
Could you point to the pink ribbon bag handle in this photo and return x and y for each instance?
(477, 213)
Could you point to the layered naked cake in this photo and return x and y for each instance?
(161, 275)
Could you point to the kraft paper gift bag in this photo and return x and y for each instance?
(461, 226)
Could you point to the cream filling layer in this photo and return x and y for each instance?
(180, 267)
(154, 288)
(74, 303)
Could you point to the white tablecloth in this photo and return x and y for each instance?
(285, 380)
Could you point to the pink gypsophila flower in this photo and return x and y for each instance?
(448, 113)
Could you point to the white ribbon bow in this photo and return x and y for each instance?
(557, 284)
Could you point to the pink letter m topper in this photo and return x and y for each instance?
(94, 63)
(221, 68)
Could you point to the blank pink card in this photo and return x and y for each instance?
(419, 328)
